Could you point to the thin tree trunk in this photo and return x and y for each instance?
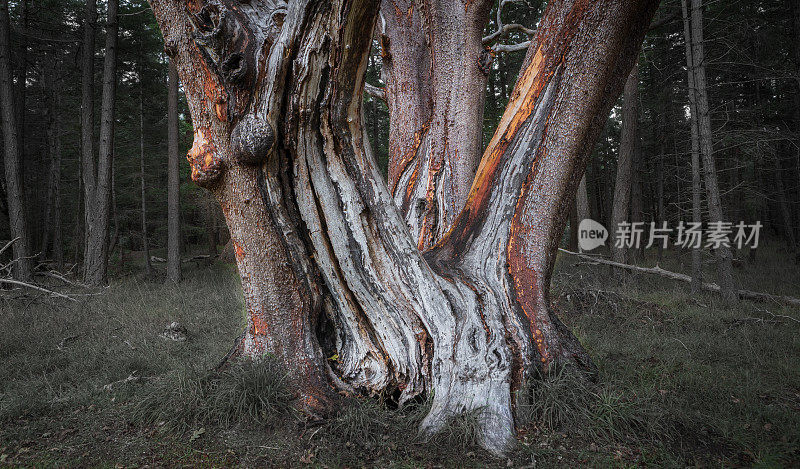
(715, 210)
(794, 7)
(98, 199)
(582, 201)
(315, 230)
(697, 266)
(786, 214)
(87, 122)
(22, 268)
(145, 240)
(173, 181)
(52, 228)
(637, 202)
(627, 148)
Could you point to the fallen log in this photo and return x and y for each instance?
(713, 287)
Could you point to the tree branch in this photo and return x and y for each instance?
(35, 287)
(375, 92)
(503, 30)
(512, 47)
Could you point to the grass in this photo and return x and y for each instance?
(683, 382)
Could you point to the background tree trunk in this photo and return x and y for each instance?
(715, 211)
(173, 181)
(697, 183)
(87, 123)
(145, 239)
(98, 193)
(582, 201)
(627, 149)
(52, 227)
(14, 190)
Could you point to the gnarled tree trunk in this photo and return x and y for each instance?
(326, 258)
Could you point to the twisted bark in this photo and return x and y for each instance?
(327, 262)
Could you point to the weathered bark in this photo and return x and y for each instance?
(627, 147)
(435, 86)
(715, 210)
(22, 267)
(275, 96)
(173, 181)
(697, 265)
(143, 185)
(97, 183)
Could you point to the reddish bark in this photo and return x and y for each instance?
(315, 228)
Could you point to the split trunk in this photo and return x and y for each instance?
(327, 262)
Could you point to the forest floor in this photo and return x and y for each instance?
(683, 382)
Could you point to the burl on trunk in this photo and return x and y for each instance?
(325, 255)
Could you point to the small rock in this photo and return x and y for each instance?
(175, 332)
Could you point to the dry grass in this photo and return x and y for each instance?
(683, 382)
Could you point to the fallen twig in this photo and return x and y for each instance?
(8, 244)
(58, 276)
(744, 294)
(131, 377)
(36, 287)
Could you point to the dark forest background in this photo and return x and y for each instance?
(752, 68)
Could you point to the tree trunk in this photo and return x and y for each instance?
(697, 264)
(52, 228)
(435, 92)
(783, 203)
(582, 201)
(22, 267)
(637, 199)
(87, 121)
(145, 240)
(715, 211)
(98, 185)
(627, 148)
(314, 228)
(173, 181)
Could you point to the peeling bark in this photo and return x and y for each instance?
(326, 258)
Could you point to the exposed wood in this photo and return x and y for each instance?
(713, 287)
